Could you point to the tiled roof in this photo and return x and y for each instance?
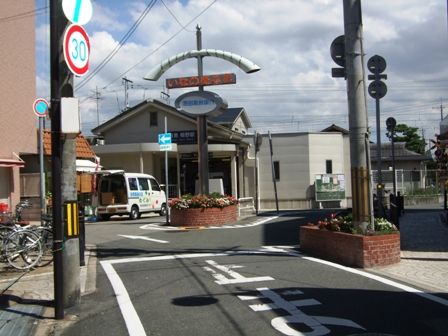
(83, 149)
(401, 152)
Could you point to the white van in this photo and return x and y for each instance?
(121, 193)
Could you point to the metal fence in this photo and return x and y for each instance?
(412, 182)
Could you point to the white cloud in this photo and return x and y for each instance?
(290, 40)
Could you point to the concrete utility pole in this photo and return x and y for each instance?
(359, 153)
(126, 83)
(63, 163)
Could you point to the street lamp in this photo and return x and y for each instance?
(155, 73)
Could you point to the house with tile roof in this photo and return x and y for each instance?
(129, 141)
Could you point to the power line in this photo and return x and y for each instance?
(175, 18)
(162, 45)
(120, 44)
(24, 15)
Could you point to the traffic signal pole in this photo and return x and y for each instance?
(358, 121)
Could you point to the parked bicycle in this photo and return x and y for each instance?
(20, 247)
(24, 246)
(45, 232)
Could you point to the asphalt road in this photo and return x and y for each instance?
(249, 279)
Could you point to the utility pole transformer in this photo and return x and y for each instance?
(358, 121)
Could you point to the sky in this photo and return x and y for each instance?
(290, 41)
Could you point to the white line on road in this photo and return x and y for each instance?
(130, 316)
(381, 279)
(145, 238)
(133, 322)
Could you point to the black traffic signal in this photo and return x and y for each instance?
(337, 51)
(376, 65)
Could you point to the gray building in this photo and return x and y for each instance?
(129, 141)
(311, 169)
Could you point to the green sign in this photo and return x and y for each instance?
(330, 187)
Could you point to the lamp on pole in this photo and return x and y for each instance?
(208, 98)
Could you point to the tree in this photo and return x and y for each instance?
(409, 135)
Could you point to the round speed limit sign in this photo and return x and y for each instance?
(77, 49)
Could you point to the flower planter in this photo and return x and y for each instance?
(203, 216)
(351, 249)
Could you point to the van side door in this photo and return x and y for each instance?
(145, 190)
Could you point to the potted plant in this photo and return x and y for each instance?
(337, 239)
(203, 210)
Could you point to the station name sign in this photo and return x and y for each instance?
(184, 82)
(201, 103)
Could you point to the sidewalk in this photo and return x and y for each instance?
(26, 299)
(424, 252)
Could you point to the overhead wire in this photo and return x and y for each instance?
(162, 45)
(120, 44)
(24, 15)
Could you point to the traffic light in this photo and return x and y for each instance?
(377, 64)
(337, 51)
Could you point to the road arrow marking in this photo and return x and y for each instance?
(145, 238)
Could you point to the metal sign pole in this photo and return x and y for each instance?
(166, 179)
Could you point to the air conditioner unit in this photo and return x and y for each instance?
(100, 142)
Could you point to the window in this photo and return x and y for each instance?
(329, 166)
(154, 185)
(133, 183)
(152, 118)
(277, 170)
(143, 183)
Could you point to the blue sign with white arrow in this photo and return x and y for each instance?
(165, 139)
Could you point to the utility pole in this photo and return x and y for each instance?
(97, 98)
(356, 93)
(441, 107)
(126, 95)
(63, 162)
(202, 128)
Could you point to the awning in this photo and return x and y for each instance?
(11, 163)
(86, 166)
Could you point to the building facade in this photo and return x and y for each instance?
(18, 134)
(129, 142)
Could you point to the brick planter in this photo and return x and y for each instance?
(351, 249)
(204, 216)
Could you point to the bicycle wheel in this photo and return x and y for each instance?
(23, 249)
(46, 240)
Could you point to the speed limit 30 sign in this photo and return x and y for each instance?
(76, 49)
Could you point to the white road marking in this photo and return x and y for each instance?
(223, 227)
(133, 322)
(382, 280)
(130, 316)
(233, 277)
(145, 238)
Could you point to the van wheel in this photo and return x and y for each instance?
(163, 210)
(134, 214)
